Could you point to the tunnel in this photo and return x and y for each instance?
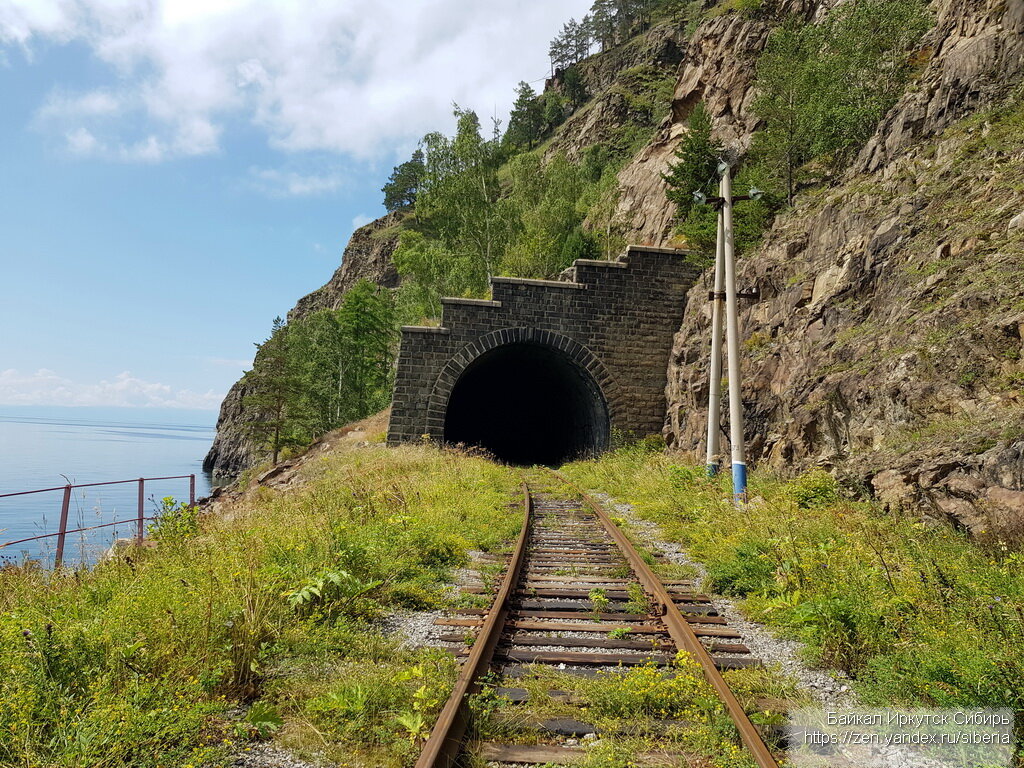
(527, 404)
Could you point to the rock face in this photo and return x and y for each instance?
(367, 257)
(231, 451)
(716, 68)
(887, 342)
(659, 50)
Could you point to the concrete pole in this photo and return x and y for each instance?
(715, 388)
(732, 335)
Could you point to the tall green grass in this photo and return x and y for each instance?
(916, 612)
(151, 658)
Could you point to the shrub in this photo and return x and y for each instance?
(750, 569)
(815, 489)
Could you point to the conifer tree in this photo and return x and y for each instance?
(524, 123)
(696, 162)
(404, 183)
(575, 90)
(271, 387)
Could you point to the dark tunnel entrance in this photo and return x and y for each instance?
(528, 404)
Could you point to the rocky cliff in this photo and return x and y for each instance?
(366, 257)
(887, 342)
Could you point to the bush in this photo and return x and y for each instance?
(815, 489)
(750, 569)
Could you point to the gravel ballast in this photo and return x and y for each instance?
(829, 688)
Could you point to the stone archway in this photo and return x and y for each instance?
(597, 340)
(526, 396)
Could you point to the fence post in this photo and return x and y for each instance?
(142, 502)
(191, 490)
(58, 561)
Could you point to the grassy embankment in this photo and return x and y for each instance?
(916, 613)
(258, 621)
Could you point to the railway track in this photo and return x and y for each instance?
(573, 571)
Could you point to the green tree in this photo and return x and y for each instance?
(696, 170)
(561, 49)
(404, 182)
(696, 163)
(822, 88)
(575, 88)
(580, 40)
(602, 23)
(526, 119)
(554, 110)
(271, 388)
(462, 233)
(788, 77)
(367, 322)
(543, 206)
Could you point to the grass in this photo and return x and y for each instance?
(636, 710)
(256, 621)
(916, 613)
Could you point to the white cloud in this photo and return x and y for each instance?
(80, 141)
(358, 77)
(46, 387)
(361, 220)
(280, 183)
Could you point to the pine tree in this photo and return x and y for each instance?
(404, 183)
(696, 161)
(602, 22)
(525, 122)
(271, 387)
(582, 39)
(575, 90)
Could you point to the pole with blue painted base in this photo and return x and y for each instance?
(715, 383)
(732, 340)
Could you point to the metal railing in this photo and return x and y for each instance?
(63, 530)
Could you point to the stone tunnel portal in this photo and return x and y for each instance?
(528, 403)
(546, 370)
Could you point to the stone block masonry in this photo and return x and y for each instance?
(611, 321)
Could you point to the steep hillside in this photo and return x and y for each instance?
(887, 343)
(367, 257)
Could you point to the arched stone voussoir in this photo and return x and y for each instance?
(579, 354)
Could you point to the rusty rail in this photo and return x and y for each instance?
(63, 530)
(444, 744)
(681, 632)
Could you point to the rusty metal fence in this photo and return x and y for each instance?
(63, 530)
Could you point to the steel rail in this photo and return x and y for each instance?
(681, 632)
(445, 742)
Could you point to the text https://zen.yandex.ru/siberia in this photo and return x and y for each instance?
(900, 738)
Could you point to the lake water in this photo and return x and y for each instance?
(44, 447)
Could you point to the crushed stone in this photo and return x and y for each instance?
(269, 756)
(830, 688)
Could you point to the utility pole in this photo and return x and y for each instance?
(732, 335)
(715, 383)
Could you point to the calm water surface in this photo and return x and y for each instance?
(47, 447)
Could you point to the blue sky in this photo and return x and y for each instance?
(176, 174)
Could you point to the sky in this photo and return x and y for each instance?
(176, 173)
